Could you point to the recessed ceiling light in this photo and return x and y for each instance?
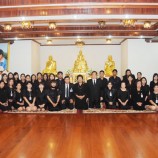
(109, 36)
(16, 38)
(141, 36)
(46, 37)
(23, 18)
(75, 16)
(126, 16)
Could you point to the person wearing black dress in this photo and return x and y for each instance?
(80, 92)
(145, 89)
(3, 97)
(125, 77)
(110, 96)
(5, 79)
(116, 81)
(18, 98)
(60, 80)
(130, 87)
(16, 78)
(46, 81)
(23, 81)
(53, 97)
(94, 91)
(33, 81)
(41, 97)
(139, 76)
(138, 96)
(123, 97)
(153, 100)
(29, 98)
(153, 82)
(67, 94)
(103, 81)
(10, 93)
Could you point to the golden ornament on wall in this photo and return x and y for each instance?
(109, 66)
(50, 66)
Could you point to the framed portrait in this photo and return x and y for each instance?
(4, 56)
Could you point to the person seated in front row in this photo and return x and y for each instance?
(29, 98)
(94, 91)
(80, 92)
(67, 94)
(3, 97)
(53, 96)
(110, 96)
(153, 100)
(123, 97)
(18, 98)
(139, 97)
(41, 97)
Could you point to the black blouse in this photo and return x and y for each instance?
(80, 89)
(138, 96)
(53, 94)
(3, 95)
(123, 95)
(10, 93)
(41, 97)
(18, 97)
(154, 98)
(30, 95)
(110, 95)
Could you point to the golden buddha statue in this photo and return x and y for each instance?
(80, 65)
(109, 66)
(50, 66)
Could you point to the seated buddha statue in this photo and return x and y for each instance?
(50, 66)
(109, 66)
(80, 65)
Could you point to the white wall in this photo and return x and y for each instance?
(143, 57)
(24, 57)
(35, 58)
(124, 57)
(94, 55)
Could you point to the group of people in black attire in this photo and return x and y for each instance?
(44, 92)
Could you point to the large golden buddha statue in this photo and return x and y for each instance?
(109, 66)
(50, 66)
(80, 65)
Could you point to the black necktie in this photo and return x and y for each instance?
(67, 91)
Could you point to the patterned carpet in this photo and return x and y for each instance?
(89, 111)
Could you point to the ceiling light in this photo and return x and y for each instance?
(26, 25)
(52, 25)
(101, 24)
(108, 41)
(49, 42)
(147, 24)
(7, 27)
(128, 22)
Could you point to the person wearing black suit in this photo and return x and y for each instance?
(116, 81)
(67, 94)
(125, 77)
(94, 91)
(103, 81)
(60, 80)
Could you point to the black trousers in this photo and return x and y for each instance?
(67, 104)
(94, 103)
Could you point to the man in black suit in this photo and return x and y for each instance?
(116, 81)
(60, 79)
(67, 94)
(94, 91)
(103, 81)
